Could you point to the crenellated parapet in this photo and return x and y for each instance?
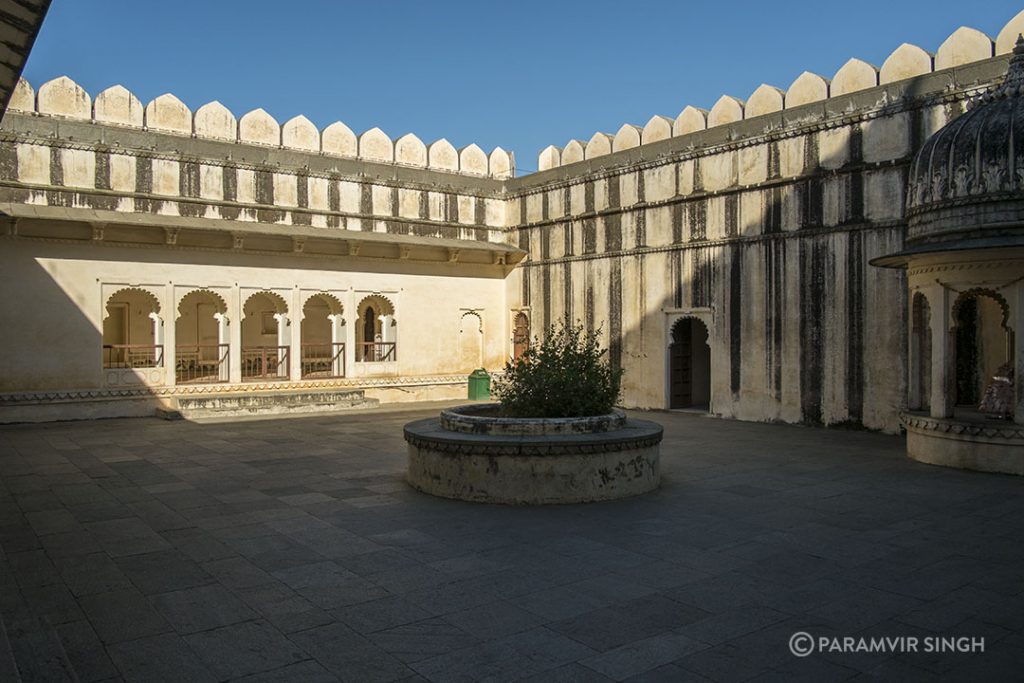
(62, 97)
(963, 46)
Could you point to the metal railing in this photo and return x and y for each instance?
(201, 363)
(323, 360)
(126, 356)
(377, 352)
(264, 362)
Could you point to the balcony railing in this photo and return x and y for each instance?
(377, 352)
(323, 360)
(265, 362)
(201, 363)
(127, 356)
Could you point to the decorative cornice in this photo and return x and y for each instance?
(998, 430)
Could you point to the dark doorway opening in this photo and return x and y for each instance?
(689, 366)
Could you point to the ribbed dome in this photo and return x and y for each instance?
(966, 185)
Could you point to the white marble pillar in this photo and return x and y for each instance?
(226, 334)
(338, 337)
(158, 336)
(295, 354)
(170, 338)
(285, 338)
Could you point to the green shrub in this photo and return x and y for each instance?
(565, 375)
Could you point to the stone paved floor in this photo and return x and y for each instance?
(292, 550)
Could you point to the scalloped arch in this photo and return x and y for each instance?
(150, 296)
(378, 297)
(222, 306)
(974, 293)
(333, 303)
(688, 316)
(280, 305)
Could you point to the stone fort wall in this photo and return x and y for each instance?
(758, 218)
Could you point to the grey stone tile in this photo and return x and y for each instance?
(237, 572)
(350, 656)
(122, 615)
(494, 620)
(627, 621)
(163, 571)
(95, 573)
(422, 639)
(284, 608)
(159, 659)
(306, 672)
(199, 609)
(380, 614)
(125, 537)
(243, 649)
(643, 655)
(85, 651)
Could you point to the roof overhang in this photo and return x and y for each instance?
(147, 229)
(20, 21)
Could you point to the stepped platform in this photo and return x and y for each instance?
(258, 403)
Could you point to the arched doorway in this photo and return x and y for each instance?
(377, 330)
(689, 365)
(132, 330)
(520, 335)
(471, 334)
(265, 337)
(322, 329)
(984, 345)
(201, 338)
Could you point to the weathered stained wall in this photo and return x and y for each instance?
(762, 227)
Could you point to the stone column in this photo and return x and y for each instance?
(226, 334)
(338, 337)
(943, 347)
(170, 338)
(285, 338)
(295, 352)
(158, 334)
(914, 398)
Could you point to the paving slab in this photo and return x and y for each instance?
(291, 549)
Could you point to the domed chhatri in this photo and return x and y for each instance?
(965, 184)
(964, 257)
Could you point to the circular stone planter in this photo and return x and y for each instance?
(470, 453)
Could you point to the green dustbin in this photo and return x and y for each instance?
(479, 385)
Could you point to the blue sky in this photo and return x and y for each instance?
(521, 74)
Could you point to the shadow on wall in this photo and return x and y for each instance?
(801, 327)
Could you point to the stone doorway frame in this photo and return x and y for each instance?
(705, 315)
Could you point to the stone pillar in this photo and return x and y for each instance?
(285, 338)
(914, 398)
(170, 338)
(295, 352)
(227, 334)
(338, 337)
(943, 348)
(158, 333)
(350, 347)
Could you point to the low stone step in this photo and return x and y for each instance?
(266, 403)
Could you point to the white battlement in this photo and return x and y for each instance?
(116, 105)
(963, 46)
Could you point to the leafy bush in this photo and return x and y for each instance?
(565, 375)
